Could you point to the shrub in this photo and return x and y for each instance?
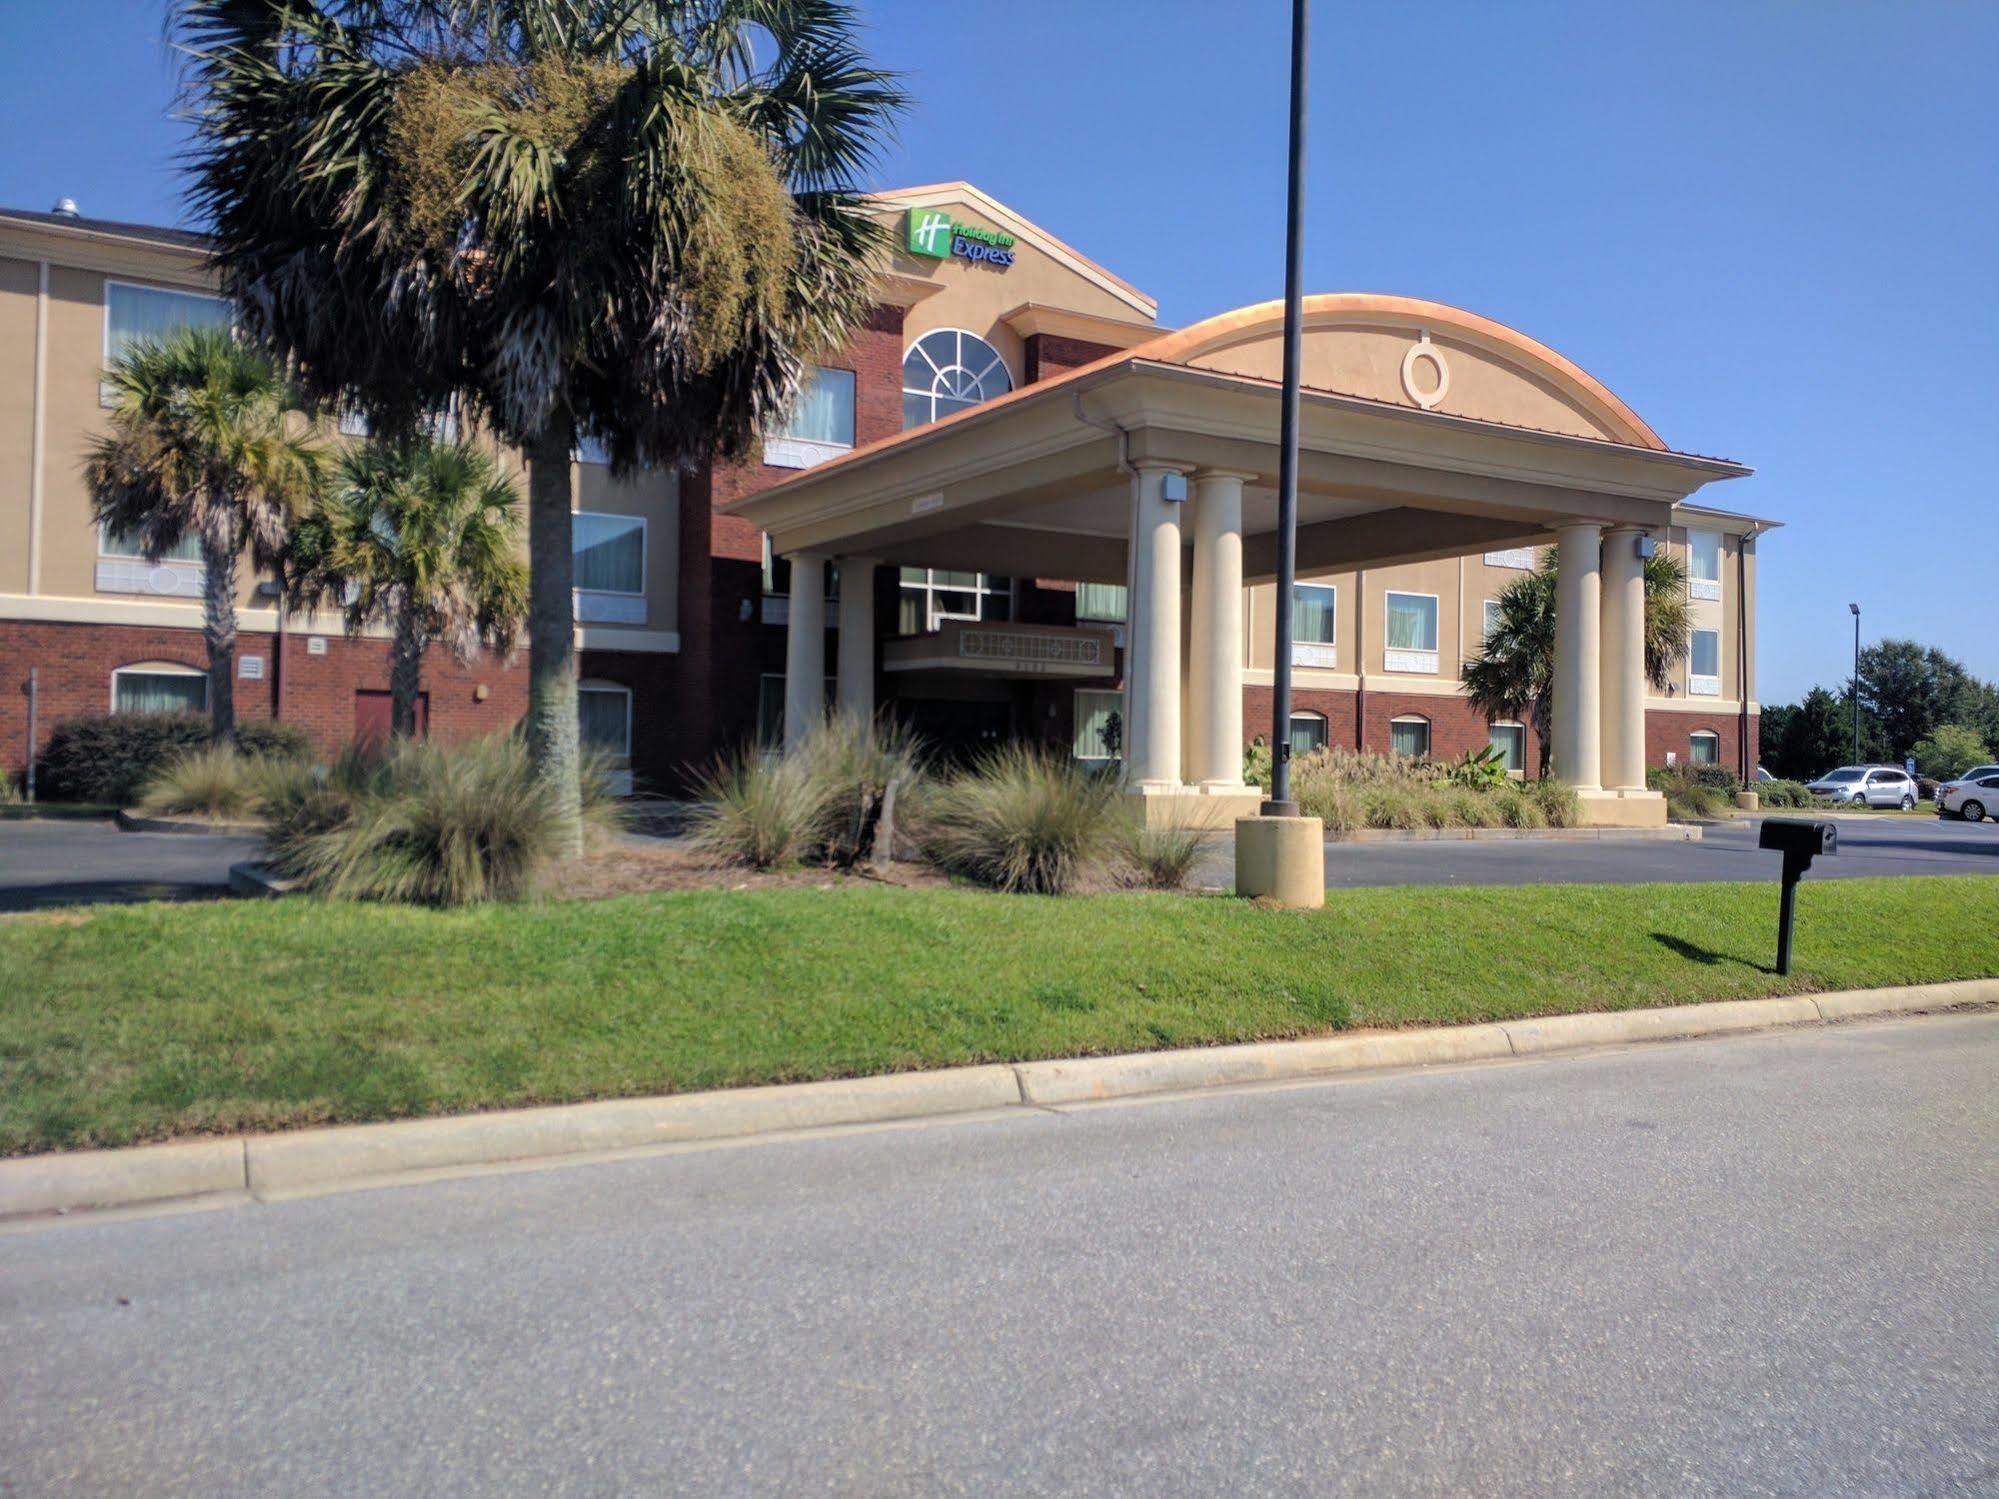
(761, 809)
(1392, 806)
(854, 760)
(1783, 794)
(426, 823)
(1481, 770)
(1714, 777)
(1518, 808)
(1333, 804)
(1161, 858)
(1557, 801)
(111, 757)
(212, 781)
(1256, 763)
(1023, 819)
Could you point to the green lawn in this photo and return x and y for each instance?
(152, 1021)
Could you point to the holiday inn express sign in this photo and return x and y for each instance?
(934, 233)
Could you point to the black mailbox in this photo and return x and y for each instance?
(1799, 842)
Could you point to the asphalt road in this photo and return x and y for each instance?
(70, 862)
(1727, 851)
(1755, 1266)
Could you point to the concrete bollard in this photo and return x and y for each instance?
(1281, 859)
(1747, 801)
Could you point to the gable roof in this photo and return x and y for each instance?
(935, 194)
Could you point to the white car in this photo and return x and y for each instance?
(1974, 796)
(1866, 786)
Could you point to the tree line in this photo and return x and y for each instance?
(1915, 702)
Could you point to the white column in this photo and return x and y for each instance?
(805, 648)
(1152, 651)
(1214, 757)
(1623, 669)
(1578, 674)
(856, 686)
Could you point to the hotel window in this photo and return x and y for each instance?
(1704, 664)
(821, 423)
(1411, 638)
(1101, 603)
(931, 595)
(1510, 739)
(604, 718)
(1308, 732)
(949, 370)
(1489, 620)
(1704, 747)
(1409, 735)
(1099, 736)
(133, 312)
(1704, 564)
(610, 553)
(159, 687)
(118, 544)
(1313, 610)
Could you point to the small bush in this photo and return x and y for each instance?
(1518, 808)
(1714, 777)
(854, 760)
(762, 809)
(1557, 801)
(1392, 806)
(213, 781)
(1161, 858)
(111, 757)
(1023, 819)
(431, 824)
(1783, 794)
(1333, 804)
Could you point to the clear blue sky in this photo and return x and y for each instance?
(1773, 228)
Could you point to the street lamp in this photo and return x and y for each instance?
(1856, 682)
(1280, 803)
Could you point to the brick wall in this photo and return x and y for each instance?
(1049, 354)
(1666, 730)
(75, 663)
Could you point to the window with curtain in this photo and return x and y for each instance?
(135, 312)
(824, 411)
(114, 544)
(1412, 622)
(1313, 607)
(1308, 732)
(604, 718)
(1410, 736)
(140, 690)
(1099, 735)
(1704, 555)
(1510, 739)
(1704, 748)
(1103, 603)
(1706, 658)
(610, 552)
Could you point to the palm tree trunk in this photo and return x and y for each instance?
(219, 547)
(551, 720)
(1543, 731)
(405, 670)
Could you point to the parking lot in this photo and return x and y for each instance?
(71, 862)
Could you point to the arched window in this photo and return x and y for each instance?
(949, 370)
(1308, 732)
(159, 687)
(1704, 747)
(1510, 739)
(1409, 735)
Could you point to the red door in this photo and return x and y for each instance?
(374, 715)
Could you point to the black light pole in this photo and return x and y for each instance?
(1280, 803)
(1856, 682)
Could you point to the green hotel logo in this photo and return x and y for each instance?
(934, 233)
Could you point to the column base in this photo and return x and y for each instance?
(1622, 809)
(1281, 860)
(1168, 806)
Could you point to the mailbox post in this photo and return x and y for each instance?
(1799, 842)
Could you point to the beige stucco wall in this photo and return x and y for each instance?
(1364, 357)
(18, 281)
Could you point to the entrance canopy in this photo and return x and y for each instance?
(1426, 432)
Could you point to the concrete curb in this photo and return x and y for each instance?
(136, 822)
(1675, 832)
(256, 881)
(380, 1154)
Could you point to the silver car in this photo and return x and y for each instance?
(1866, 786)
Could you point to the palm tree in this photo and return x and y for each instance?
(633, 220)
(424, 538)
(1513, 674)
(205, 441)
